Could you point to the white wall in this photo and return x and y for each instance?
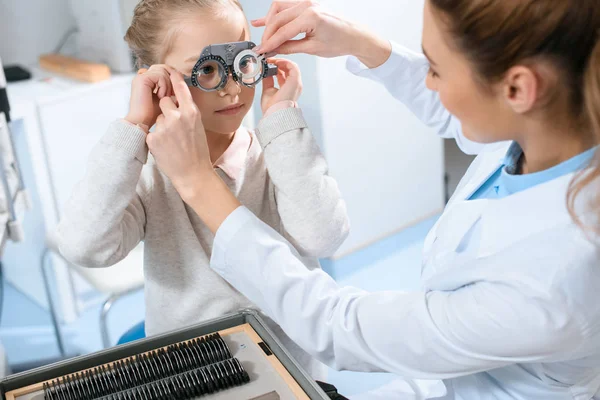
(388, 165)
(310, 100)
(29, 28)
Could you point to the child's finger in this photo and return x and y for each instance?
(290, 70)
(268, 83)
(281, 78)
(273, 60)
(290, 67)
(163, 87)
(159, 76)
(170, 70)
(158, 82)
(169, 86)
(281, 64)
(164, 80)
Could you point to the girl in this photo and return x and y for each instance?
(277, 172)
(509, 303)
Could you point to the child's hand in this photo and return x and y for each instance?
(289, 80)
(148, 88)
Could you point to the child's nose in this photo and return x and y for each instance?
(232, 88)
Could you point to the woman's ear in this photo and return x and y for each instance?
(521, 89)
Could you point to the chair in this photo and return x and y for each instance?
(116, 282)
(136, 333)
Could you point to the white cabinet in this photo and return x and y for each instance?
(71, 127)
(62, 120)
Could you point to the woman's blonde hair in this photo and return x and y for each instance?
(154, 24)
(588, 180)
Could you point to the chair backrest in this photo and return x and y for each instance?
(123, 277)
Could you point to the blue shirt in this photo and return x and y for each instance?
(505, 182)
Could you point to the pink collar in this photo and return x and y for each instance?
(233, 159)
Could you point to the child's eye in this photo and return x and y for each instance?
(207, 70)
(245, 65)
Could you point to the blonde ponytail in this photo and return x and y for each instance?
(589, 180)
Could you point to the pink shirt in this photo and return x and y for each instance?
(232, 160)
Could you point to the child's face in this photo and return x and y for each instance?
(194, 34)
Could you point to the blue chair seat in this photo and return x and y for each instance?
(136, 333)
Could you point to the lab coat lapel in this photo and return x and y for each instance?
(460, 214)
(523, 214)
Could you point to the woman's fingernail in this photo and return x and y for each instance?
(257, 49)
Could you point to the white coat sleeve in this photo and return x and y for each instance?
(403, 75)
(427, 335)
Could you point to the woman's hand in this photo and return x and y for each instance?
(179, 147)
(148, 88)
(325, 34)
(178, 143)
(289, 80)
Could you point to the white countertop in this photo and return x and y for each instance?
(46, 87)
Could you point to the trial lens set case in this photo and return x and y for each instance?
(235, 357)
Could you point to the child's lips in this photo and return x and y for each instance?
(230, 110)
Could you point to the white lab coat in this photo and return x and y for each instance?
(510, 302)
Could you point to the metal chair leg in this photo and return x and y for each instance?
(106, 307)
(51, 305)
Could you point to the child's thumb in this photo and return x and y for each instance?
(268, 83)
